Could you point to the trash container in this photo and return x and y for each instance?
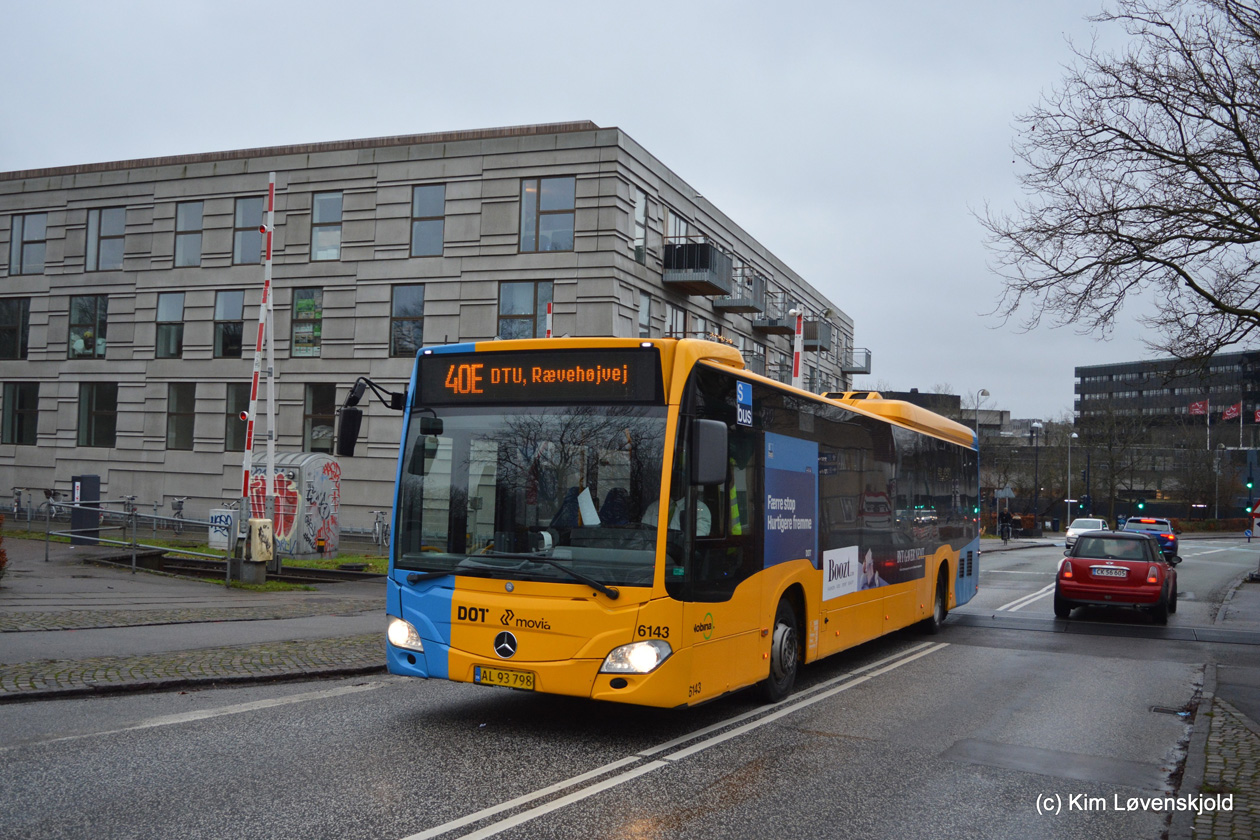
(1054, 525)
(308, 503)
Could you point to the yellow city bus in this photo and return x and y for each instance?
(647, 521)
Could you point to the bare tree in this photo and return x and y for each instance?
(1112, 440)
(1143, 176)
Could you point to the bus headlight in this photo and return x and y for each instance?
(636, 658)
(403, 635)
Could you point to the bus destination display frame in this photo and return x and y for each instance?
(548, 377)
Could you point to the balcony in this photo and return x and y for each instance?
(776, 320)
(696, 268)
(748, 293)
(817, 336)
(857, 360)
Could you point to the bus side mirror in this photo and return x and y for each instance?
(348, 431)
(708, 452)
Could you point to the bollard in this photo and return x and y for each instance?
(134, 522)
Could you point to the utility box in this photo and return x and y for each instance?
(308, 503)
(85, 522)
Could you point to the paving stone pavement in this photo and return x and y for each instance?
(90, 619)
(42, 679)
(1232, 766)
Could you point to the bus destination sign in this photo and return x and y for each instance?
(588, 376)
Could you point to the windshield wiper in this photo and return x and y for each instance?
(612, 593)
(416, 577)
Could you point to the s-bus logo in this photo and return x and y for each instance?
(743, 403)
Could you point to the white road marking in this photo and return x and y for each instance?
(1025, 600)
(206, 714)
(814, 695)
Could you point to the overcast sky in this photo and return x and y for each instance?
(853, 139)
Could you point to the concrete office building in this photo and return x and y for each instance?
(129, 292)
(1158, 395)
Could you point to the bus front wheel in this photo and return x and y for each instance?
(785, 654)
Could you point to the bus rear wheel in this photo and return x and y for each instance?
(940, 605)
(785, 654)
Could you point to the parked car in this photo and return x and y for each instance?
(1081, 525)
(1117, 569)
(1162, 529)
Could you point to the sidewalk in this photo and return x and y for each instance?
(70, 627)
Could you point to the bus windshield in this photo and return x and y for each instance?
(484, 491)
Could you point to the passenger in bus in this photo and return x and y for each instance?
(704, 518)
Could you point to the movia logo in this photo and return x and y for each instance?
(743, 403)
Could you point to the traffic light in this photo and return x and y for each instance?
(1141, 504)
(1249, 482)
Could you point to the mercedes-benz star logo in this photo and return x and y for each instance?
(505, 645)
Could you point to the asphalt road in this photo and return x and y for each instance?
(961, 734)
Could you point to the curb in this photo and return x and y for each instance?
(997, 550)
(187, 682)
(1182, 825)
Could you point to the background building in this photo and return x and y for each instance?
(130, 291)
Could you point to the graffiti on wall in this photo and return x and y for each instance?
(304, 516)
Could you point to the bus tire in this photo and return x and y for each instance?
(785, 654)
(940, 609)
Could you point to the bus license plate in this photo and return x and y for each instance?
(501, 676)
(1111, 572)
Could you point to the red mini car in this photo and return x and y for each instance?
(1117, 569)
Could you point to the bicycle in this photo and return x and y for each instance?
(177, 513)
(380, 529)
(1005, 531)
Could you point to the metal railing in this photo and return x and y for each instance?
(129, 517)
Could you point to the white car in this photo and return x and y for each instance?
(1080, 526)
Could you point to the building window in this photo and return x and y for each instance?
(675, 321)
(88, 320)
(170, 326)
(229, 324)
(428, 220)
(320, 416)
(188, 234)
(645, 315)
(326, 226)
(98, 413)
(234, 426)
(308, 319)
(21, 413)
(27, 240)
(523, 309)
(181, 414)
(406, 321)
(106, 233)
(15, 327)
(640, 226)
(547, 214)
(246, 236)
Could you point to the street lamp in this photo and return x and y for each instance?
(1071, 438)
(1216, 502)
(1032, 433)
